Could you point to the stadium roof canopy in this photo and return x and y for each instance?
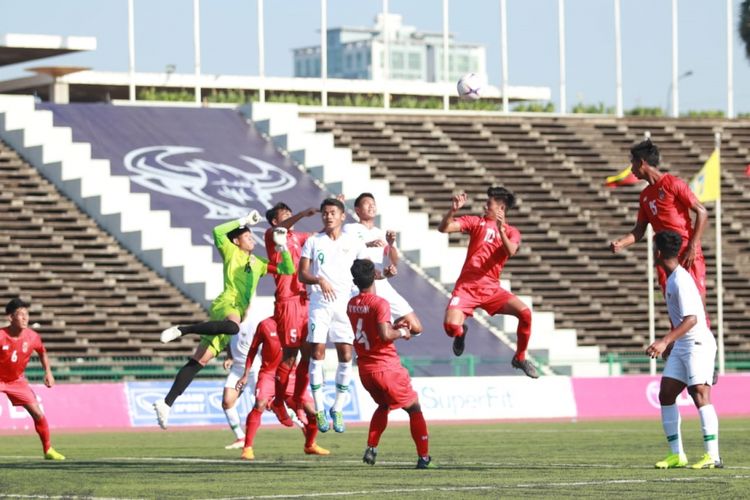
(18, 48)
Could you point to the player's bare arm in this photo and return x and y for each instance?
(387, 332)
(390, 238)
(228, 360)
(448, 224)
(509, 246)
(635, 235)
(660, 346)
(306, 277)
(291, 221)
(701, 219)
(49, 379)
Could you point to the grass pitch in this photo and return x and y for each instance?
(560, 460)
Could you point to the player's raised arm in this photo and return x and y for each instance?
(286, 266)
(291, 221)
(635, 235)
(448, 224)
(220, 231)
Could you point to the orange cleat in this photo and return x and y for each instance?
(316, 449)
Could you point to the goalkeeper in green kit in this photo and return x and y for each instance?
(242, 270)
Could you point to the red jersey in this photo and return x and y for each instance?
(270, 354)
(666, 206)
(286, 285)
(365, 311)
(15, 352)
(486, 255)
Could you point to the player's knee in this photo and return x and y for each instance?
(453, 329)
(227, 405)
(524, 317)
(415, 407)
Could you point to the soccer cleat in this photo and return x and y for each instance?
(162, 413)
(371, 454)
(526, 366)
(425, 463)
(338, 420)
(170, 334)
(320, 418)
(673, 461)
(52, 454)
(236, 445)
(316, 449)
(279, 409)
(247, 453)
(460, 342)
(708, 463)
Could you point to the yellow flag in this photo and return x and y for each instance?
(705, 184)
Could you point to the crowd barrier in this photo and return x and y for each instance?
(129, 404)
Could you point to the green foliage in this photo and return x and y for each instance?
(643, 111)
(416, 102)
(152, 94)
(594, 109)
(744, 25)
(705, 113)
(535, 107)
(232, 96)
(477, 105)
(301, 98)
(356, 100)
(743, 115)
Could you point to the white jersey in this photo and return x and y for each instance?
(684, 299)
(378, 255)
(332, 260)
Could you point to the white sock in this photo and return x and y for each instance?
(316, 383)
(670, 420)
(710, 428)
(343, 377)
(233, 417)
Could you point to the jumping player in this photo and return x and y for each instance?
(691, 360)
(17, 343)
(666, 204)
(380, 367)
(266, 335)
(242, 270)
(492, 241)
(381, 250)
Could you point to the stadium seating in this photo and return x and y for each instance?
(91, 297)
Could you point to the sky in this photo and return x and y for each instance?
(229, 40)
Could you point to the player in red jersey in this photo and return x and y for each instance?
(492, 241)
(380, 369)
(290, 310)
(17, 342)
(666, 204)
(266, 334)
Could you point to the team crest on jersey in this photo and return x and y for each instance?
(661, 194)
(25, 347)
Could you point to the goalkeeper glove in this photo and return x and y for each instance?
(279, 238)
(250, 219)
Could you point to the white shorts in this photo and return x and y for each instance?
(235, 374)
(399, 306)
(329, 321)
(692, 364)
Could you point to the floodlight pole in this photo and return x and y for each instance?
(323, 52)
(131, 52)
(561, 46)
(446, 71)
(261, 53)
(675, 71)
(386, 57)
(618, 63)
(650, 273)
(197, 48)
(719, 265)
(504, 52)
(730, 61)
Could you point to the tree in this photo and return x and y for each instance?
(745, 25)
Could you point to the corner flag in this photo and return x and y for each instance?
(705, 184)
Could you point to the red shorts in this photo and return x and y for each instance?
(265, 386)
(697, 271)
(466, 298)
(390, 387)
(291, 321)
(19, 392)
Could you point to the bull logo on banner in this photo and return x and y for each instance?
(224, 190)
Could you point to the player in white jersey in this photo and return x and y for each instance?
(235, 363)
(381, 250)
(324, 267)
(689, 349)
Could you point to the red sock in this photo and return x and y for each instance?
(378, 423)
(251, 426)
(310, 430)
(523, 332)
(282, 379)
(42, 428)
(301, 381)
(419, 433)
(453, 330)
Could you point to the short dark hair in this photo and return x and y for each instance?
(236, 233)
(332, 202)
(272, 212)
(499, 193)
(362, 197)
(15, 304)
(668, 243)
(646, 150)
(363, 272)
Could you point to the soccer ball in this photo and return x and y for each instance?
(470, 86)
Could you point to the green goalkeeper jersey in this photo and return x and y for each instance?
(241, 270)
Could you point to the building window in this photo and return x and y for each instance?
(397, 60)
(415, 61)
